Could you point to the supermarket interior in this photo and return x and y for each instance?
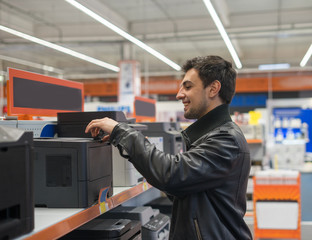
(65, 63)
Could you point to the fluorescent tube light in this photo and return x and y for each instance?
(223, 33)
(124, 34)
(32, 64)
(274, 66)
(60, 48)
(306, 57)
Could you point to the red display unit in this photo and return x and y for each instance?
(144, 109)
(39, 95)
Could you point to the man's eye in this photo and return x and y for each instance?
(187, 87)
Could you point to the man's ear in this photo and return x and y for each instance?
(214, 88)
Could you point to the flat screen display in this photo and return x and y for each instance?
(144, 109)
(36, 94)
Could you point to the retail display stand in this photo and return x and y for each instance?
(277, 206)
(34, 94)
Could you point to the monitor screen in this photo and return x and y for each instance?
(40, 95)
(144, 109)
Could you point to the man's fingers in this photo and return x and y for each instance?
(105, 138)
(93, 124)
(106, 124)
(93, 132)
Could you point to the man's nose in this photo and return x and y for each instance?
(180, 94)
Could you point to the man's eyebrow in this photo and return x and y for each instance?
(186, 82)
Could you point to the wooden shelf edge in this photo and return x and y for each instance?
(249, 214)
(69, 224)
(254, 140)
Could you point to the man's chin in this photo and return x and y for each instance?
(188, 116)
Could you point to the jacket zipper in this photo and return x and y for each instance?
(199, 237)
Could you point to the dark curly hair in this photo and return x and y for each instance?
(211, 68)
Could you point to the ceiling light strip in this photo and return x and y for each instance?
(124, 34)
(276, 66)
(223, 33)
(306, 57)
(60, 48)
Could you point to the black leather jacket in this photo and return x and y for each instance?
(207, 182)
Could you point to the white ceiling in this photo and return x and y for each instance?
(263, 32)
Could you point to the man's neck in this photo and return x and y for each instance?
(217, 117)
(213, 104)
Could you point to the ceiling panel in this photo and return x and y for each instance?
(262, 31)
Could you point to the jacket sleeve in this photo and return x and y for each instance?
(204, 166)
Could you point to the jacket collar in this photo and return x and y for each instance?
(215, 118)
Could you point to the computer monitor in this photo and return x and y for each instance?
(39, 95)
(144, 109)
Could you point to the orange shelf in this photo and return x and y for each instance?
(78, 217)
(249, 214)
(254, 141)
(277, 192)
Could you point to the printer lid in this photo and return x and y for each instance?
(83, 117)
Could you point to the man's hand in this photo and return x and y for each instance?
(106, 124)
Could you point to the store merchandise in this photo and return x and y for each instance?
(107, 229)
(70, 172)
(165, 136)
(74, 124)
(16, 182)
(155, 225)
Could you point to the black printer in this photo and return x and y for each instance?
(16, 182)
(70, 172)
(165, 135)
(73, 124)
(107, 229)
(71, 169)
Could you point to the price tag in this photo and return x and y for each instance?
(103, 200)
(103, 207)
(145, 185)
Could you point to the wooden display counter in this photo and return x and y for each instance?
(53, 223)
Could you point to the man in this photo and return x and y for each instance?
(207, 182)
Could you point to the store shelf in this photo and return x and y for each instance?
(249, 214)
(277, 198)
(254, 141)
(53, 223)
